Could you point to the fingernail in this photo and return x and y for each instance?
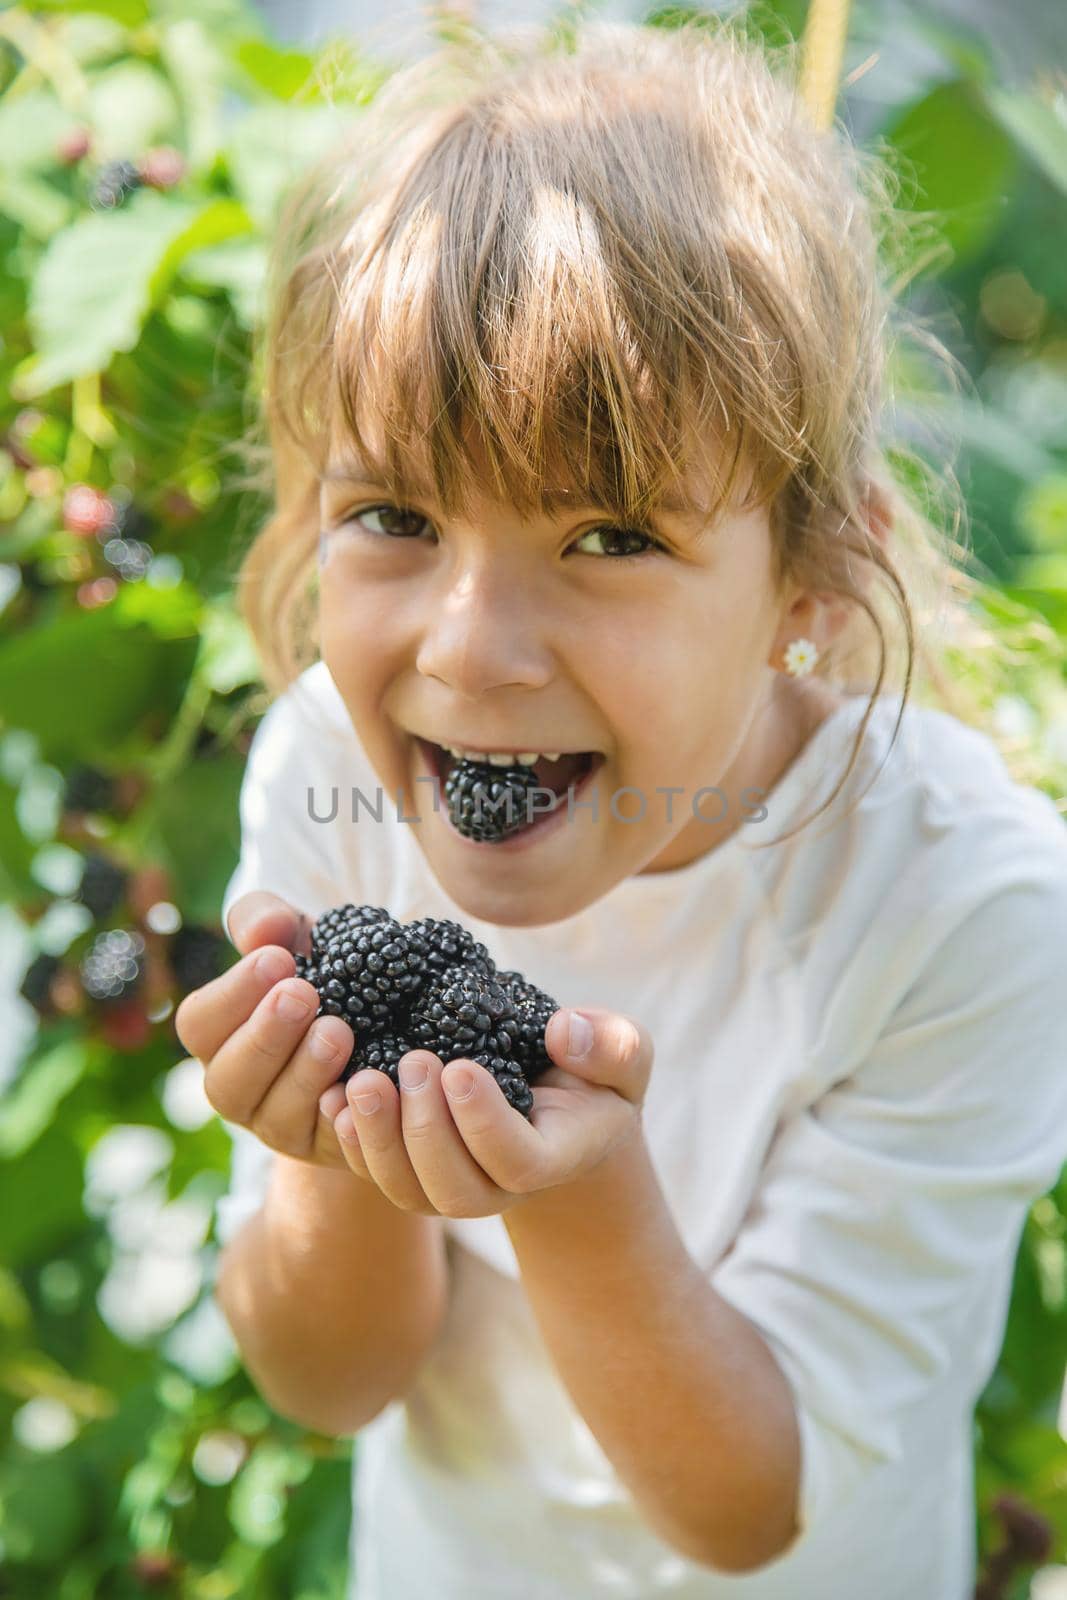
(321, 1045)
(367, 1102)
(272, 966)
(291, 1006)
(413, 1074)
(579, 1035)
(459, 1084)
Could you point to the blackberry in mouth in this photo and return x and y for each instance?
(489, 802)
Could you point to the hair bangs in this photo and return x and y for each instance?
(489, 337)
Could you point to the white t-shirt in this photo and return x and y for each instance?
(858, 1090)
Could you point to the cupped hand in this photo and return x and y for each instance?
(266, 1061)
(450, 1145)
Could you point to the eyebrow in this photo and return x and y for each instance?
(556, 499)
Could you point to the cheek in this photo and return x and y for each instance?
(354, 632)
(678, 683)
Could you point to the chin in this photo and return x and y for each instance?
(509, 906)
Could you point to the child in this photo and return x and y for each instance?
(576, 368)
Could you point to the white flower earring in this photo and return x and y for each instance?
(800, 656)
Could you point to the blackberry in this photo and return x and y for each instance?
(532, 1009)
(103, 884)
(366, 972)
(486, 802)
(457, 1013)
(510, 1080)
(383, 1055)
(37, 982)
(113, 970)
(114, 182)
(88, 789)
(451, 945)
(197, 956)
(343, 918)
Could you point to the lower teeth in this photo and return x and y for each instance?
(490, 803)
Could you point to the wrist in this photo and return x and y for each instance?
(624, 1169)
(301, 1192)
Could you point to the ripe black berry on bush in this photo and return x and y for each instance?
(103, 884)
(114, 182)
(88, 789)
(132, 521)
(131, 558)
(37, 982)
(114, 967)
(486, 802)
(427, 985)
(197, 956)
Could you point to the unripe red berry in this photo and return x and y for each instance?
(87, 511)
(162, 168)
(73, 146)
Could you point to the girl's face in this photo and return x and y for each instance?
(649, 649)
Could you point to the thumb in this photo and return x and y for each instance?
(611, 1050)
(260, 918)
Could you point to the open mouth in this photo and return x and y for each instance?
(556, 776)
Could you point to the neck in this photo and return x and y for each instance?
(777, 734)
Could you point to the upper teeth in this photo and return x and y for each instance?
(502, 758)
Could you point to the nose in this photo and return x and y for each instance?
(482, 634)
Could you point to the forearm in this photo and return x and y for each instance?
(333, 1295)
(680, 1390)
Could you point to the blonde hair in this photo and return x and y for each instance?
(593, 260)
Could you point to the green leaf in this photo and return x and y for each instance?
(128, 12)
(238, 266)
(963, 162)
(197, 70)
(56, 1213)
(194, 819)
(32, 122)
(130, 672)
(131, 106)
(47, 1503)
(170, 613)
(283, 73)
(16, 851)
(227, 655)
(273, 144)
(99, 278)
(28, 1109)
(33, 203)
(1037, 127)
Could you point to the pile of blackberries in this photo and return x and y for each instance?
(426, 985)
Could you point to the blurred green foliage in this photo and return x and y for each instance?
(145, 147)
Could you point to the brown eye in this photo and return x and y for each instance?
(612, 538)
(393, 521)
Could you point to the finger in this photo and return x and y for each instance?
(507, 1149)
(332, 1100)
(209, 1015)
(448, 1174)
(260, 918)
(326, 1147)
(288, 1114)
(611, 1050)
(345, 1135)
(371, 1120)
(241, 1073)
